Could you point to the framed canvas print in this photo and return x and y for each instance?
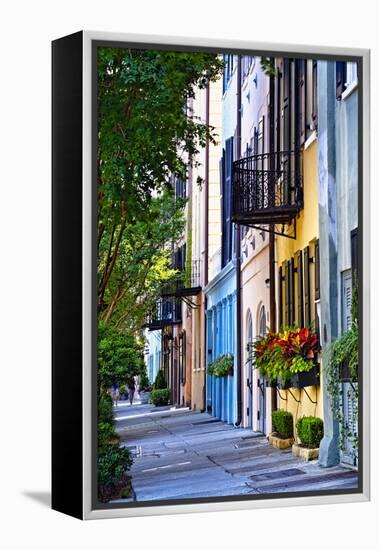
(210, 275)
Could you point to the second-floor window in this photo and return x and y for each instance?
(346, 75)
(229, 62)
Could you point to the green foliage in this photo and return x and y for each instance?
(279, 355)
(144, 379)
(145, 137)
(221, 366)
(310, 431)
(123, 390)
(343, 354)
(112, 462)
(105, 433)
(160, 397)
(119, 356)
(105, 409)
(282, 423)
(142, 261)
(143, 128)
(267, 66)
(160, 382)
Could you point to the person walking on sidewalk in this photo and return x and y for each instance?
(132, 389)
(115, 395)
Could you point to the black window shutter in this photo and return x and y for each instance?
(301, 87)
(223, 214)
(300, 290)
(340, 78)
(227, 199)
(307, 302)
(278, 111)
(280, 298)
(354, 251)
(314, 94)
(317, 270)
(287, 294)
(286, 104)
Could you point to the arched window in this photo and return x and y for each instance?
(262, 321)
(249, 338)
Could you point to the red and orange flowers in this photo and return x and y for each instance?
(282, 354)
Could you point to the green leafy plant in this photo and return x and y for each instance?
(343, 355)
(279, 355)
(144, 379)
(112, 463)
(267, 66)
(282, 423)
(145, 137)
(105, 434)
(223, 365)
(105, 409)
(123, 390)
(119, 356)
(310, 431)
(160, 397)
(160, 381)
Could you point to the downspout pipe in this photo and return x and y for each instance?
(238, 262)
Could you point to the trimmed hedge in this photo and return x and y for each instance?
(282, 423)
(160, 382)
(160, 397)
(105, 412)
(310, 431)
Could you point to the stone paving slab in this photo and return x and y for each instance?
(188, 454)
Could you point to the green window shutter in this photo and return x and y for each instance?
(287, 294)
(317, 270)
(280, 298)
(307, 302)
(291, 292)
(300, 290)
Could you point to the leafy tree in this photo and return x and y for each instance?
(119, 357)
(145, 137)
(142, 263)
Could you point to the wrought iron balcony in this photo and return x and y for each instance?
(187, 282)
(167, 311)
(267, 188)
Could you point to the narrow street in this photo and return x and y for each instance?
(185, 454)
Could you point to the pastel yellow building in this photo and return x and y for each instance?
(297, 293)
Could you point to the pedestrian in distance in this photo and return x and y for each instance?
(131, 389)
(115, 395)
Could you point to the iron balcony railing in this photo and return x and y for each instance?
(267, 188)
(167, 311)
(186, 283)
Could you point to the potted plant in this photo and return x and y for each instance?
(221, 366)
(287, 358)
(310, 431)
(160, 394)
(282, 430)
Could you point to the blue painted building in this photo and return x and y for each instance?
(221, 392)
